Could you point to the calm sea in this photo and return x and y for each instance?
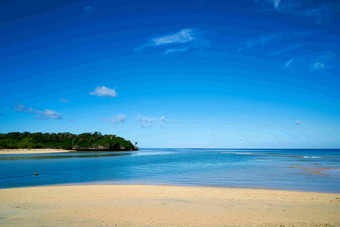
(301, 170)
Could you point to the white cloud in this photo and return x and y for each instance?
(22, 108)
(104, 92)
(317, 60)
(64, 100)
(288, 63)
(145, 122)
(317, 65)
(145, 119)
(183, 36)
(120, 118)
(46, 114)
(174, 50)
(185, 40)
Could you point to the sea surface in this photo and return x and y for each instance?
(289, 169)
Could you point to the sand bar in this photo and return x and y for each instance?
(32, 151)
(144, 205)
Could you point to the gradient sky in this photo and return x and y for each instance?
(233, 74)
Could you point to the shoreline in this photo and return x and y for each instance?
(164, 205)
(33, 151)
(95, 183)
(51, 151)
(173, 185)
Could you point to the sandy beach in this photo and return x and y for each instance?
(32, 151)
(144, 205)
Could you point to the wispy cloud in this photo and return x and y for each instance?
(289, 62)
(46, 114)
(120, 118)
(274, 3)
(285, 50)
(174, 50)
(314, 60)
(145, 122)
(183, 36)
(64, 100)
(287, 39)
(317, 65)
(258, 41)
(317, 60)
(162, 120)
(90, 8)
(104, 92)
(297, 8)
(320, 14)
(182, 41)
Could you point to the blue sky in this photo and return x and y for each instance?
(235, 74)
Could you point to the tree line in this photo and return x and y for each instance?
(65, 140)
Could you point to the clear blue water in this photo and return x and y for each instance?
(278, 169)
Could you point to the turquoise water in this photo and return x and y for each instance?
(301, 170)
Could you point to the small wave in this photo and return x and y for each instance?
(311, 157)
(153, 153)
(245, 153)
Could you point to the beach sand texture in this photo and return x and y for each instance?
(32, 151)
(145, 205)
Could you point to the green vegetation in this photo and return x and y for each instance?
(66, 140)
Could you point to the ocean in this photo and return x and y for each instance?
(315, 170)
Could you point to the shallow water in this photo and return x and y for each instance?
(302, 170)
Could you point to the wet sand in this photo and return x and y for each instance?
(145, 205)
(32, 151)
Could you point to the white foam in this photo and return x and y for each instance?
(311, 157)
(246, 153)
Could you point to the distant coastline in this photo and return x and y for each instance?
(43, 151)
(65, 141)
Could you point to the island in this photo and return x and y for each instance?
(65, 141)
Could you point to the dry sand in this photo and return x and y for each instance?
(144, 205)
(32, 151)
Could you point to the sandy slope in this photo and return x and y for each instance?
(144, 205)
(32, 151)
